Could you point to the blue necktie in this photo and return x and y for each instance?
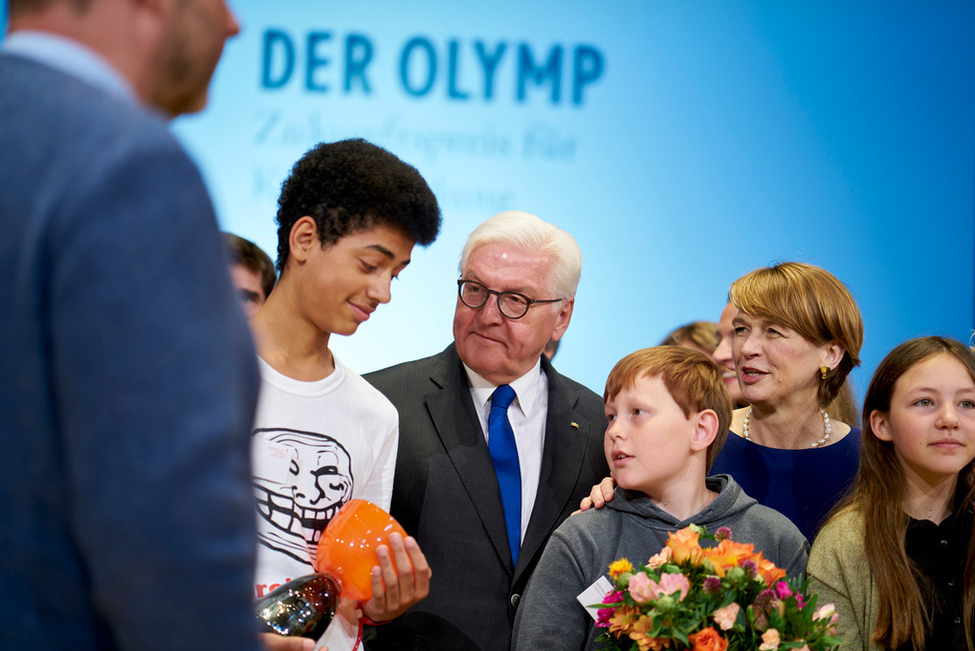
(504, 454)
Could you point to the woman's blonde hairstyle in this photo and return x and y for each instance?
(811, 301)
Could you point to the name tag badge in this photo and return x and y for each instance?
(595, 594)
(272, 461)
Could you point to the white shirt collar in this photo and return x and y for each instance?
(70, 57)
(526, 388)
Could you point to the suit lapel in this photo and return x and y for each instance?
(452, 412)
(566, 440)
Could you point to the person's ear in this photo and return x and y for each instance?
(303, 239)
(563, 318)
(880, 425)
(705, 430)
(833, 354)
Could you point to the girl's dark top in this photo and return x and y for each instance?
(940, 552)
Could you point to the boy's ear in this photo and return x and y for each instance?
(705, 430)
(303, 237)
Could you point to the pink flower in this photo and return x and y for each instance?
(613, 597)
(640, 588)
(825, 612)
(770, 640)
(782, 590)
(604, 615)
(670, 583)
(828, 611)
(725, 617)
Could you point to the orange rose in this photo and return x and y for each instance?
(729, 554)
(768, 571)
(684, 546)
(707, 639)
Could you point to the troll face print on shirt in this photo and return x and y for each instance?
(308, 479)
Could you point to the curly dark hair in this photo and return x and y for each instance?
(351, 185)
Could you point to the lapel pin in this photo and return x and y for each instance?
(574, 425)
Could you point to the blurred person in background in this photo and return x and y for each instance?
(699, 335)
(251, 272)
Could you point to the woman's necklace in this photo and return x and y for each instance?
(819, 443)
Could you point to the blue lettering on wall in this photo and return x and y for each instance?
(489, 62)
(277, 41)
(551, 70)
(405, 65)
(280, 57)
(587, 67)
(342, 65)
(452, 64)
(358, 54)
(315, 62)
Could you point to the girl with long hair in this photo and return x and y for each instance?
(897, 558)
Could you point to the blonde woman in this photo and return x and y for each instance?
(797, 335)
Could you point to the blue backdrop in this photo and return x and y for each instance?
(683, 144)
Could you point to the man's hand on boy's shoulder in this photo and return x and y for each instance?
(273, 642)
(600, 494)
(396, 587)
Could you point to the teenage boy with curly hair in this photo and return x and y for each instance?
(349, 215)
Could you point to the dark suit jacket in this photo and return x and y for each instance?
(446, 495)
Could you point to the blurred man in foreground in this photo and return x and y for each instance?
(126, 519)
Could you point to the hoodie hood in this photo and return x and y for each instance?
(725, 508)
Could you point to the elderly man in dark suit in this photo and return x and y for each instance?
(129, 377)
(496, 448)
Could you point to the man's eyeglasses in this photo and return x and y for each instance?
(512, 304)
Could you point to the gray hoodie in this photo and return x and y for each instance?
(631, 526)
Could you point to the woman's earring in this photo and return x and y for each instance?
(824, 370)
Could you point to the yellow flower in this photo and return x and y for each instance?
(620, 567)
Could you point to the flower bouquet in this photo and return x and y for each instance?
(718, 598)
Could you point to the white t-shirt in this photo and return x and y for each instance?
(315, 446)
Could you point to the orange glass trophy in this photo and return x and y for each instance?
(344, 560)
